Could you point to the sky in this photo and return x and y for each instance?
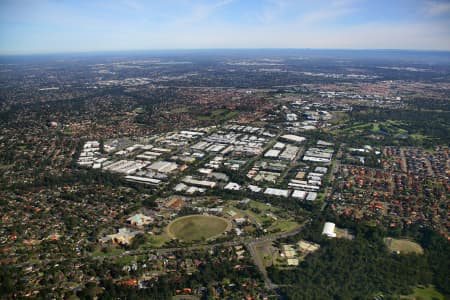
(57, 26)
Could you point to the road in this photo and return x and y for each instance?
(236, 242)
(251, 246)
(260, 264)
(246, 242)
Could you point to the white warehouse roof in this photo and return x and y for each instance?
(293, 138)
(277, 192)
(299, 194)
(272, 153)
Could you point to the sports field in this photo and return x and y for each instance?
(197, 227)
(403, 246)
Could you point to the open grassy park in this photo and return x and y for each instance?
(403, 246)
(197, 227)
(261, 216)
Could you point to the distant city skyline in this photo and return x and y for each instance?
(50, 26)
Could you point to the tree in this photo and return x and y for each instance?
(138, 240)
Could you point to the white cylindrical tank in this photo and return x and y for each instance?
(328, 229)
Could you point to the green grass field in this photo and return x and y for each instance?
(155, 241)
(262, 206)
(424, 293)
(197, 227)
(403, 246)
(282, 225)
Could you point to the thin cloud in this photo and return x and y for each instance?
(135, 5)
(271, 11)
(201, 12)
(334, 10)
(435, 8)
(325, 15)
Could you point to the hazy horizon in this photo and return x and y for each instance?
(193, 50)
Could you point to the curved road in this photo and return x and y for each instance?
(249, 244)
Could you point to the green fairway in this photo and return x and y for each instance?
(197, 227)
(391, 127)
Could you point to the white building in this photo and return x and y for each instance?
(145, 180)
(311, 196)
(328, 229)
(291, 117)
(299, 194)
(272, 153)
(232, 186)
(202, 183)
(279, 146)
(289, 153)
(140, 220)
(163, 166)
(277, 192)
(239, 221)
(254, 188)
(293, 138)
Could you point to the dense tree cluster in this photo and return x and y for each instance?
(215, 276)
(438, 256)
(364, 267)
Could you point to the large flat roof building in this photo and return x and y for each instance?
(277, 192)
(163, 166)
(293, 138)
